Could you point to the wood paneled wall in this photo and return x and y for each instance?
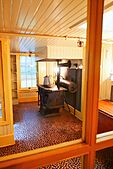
(6, 125)
(61, 52)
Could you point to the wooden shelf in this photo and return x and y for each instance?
(15, 97)
(14, 79)
(14, 90)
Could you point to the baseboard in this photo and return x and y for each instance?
(28, 99)
(7, 140)
(77, 114)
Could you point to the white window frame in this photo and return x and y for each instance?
(26, 88)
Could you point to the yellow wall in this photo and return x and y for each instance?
(6, 125)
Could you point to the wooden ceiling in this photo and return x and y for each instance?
(46, 17)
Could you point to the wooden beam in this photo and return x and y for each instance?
(109, 5)
(46, 157)
(104, 144)
(10, 34)
(93, 53)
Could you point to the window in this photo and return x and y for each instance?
(28, 72)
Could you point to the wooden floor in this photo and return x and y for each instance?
(34, 130)
(106, 107)
(105, 119)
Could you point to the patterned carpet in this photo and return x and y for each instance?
(104, 160)
(73, 163)
(33, 130)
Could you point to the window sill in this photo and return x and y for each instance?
(27, 90)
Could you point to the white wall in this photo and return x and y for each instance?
(49, 69)
(56, 52)
(60, 52)
(105, 69)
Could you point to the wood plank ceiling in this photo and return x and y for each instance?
(49, 17)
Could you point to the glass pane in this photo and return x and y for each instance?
(22, 59)
(72, 163)
(23, 84)
(28, 83)
(63, 125)
(33, 76)
(23, 76)
(22, 68)
(28, 71)
(33, 83)
(33, 65)
(28, 76)
(105, 105)
(104, 159)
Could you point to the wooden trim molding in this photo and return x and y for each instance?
(7, 80)
(93, 53)
(28, 99)
(12, 34)
(104, 136)
(40, 150)
(77, 114)
(7, 140)
(47, 157)
(104, 143)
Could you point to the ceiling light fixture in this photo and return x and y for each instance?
(30, 53)
(80, 43)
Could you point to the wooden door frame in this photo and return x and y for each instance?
(89, 146)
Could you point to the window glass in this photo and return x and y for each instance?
(67, 163)
(28, 71)
(104, 158)
(105, 104)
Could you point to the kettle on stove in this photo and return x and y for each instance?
(46, 81)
